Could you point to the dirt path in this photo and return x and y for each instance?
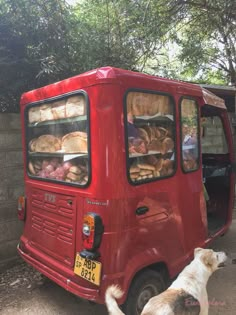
(24, 291)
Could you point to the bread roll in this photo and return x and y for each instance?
(134, 175)
(169, 143)
(75, 170)
(34, 115)
(146, 166)
(31, 168)
(159, 165)
(73, 177)
(155, 145)
(85, 178)
(151, 132)
(144, 135)
(75, 142)
(32, 145)
(156, 173)
(75, 106)
(161, 132)
(37, 166)
(145, 172)
(134, 169)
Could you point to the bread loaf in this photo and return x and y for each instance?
(59, 109)
(75, 142)
(34, 115)
(46, 143)
(155, 145)
(144, 135)
(140, 104)
(46, 112)
(167, 145)
(75, 106)
(32, 145)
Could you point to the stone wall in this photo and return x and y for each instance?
(11, 185)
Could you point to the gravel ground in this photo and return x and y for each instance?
(24, 291)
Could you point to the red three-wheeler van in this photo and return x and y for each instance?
(125, 174)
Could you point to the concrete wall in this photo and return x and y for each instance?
(11, 185)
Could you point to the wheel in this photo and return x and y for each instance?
(144, 286)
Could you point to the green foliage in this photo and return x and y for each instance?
(33, 46)
(207, 38)
(42, 41)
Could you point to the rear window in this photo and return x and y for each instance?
(57, 140)
(150, 136)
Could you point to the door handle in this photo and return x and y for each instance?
(141, 210)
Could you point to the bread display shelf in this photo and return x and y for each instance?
(135, 155)
(155, 118)
(58, 121)
(66, 156)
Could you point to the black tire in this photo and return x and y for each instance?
(144, 286)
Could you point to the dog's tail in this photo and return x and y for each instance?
(112, 293)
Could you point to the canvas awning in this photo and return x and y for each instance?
(212, 99)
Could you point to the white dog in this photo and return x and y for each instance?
(186, 296)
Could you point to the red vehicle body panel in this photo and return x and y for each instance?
(168, 233)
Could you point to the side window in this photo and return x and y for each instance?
(213, 136)
(150, 126)
(189, 134)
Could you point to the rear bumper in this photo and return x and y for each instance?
(62, 280)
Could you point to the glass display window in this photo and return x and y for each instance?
(150, 135)
(189, 134)
(57, 140)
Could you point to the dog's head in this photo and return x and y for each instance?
(212, 260)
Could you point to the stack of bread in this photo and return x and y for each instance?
(77, 174)
(152, 138)
(151, 167)
(157, 138)
(71, 107)
(74, 142)
(147, 104)
(55, 168)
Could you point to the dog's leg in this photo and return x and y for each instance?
(204, 304)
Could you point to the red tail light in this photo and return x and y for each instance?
(92, 231)
(21, 208)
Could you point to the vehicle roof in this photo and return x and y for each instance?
(111, 74)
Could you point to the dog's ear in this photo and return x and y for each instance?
(196, 251)
(208, 259)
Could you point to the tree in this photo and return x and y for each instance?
(43, 41)
(33, 46)
(207, 38)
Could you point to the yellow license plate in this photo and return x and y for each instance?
(88, 269)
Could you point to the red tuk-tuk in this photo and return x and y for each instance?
(125, 174)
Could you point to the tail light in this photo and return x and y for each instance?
(21, 211)
(91, 234)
